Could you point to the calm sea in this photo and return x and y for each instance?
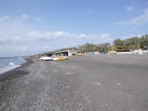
(9, 63)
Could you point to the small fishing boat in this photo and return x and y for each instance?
(60, 58)
(46, 58)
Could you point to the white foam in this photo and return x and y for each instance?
(11, 64)
(8, 68)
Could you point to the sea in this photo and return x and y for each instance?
(9, 63)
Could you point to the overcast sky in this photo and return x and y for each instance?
(34, 26)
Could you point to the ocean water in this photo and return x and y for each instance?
(9, 63)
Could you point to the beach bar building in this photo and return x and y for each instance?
(67, 53)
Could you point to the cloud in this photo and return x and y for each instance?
(37, 36)
(4, 18)
(105, 36)
(129, 8)
(57, 35)
(133, 35)
(139, 20)
(20, 19)
(37, 41)
(24, 17)
(17, 38)
(67, 36)
(46, 35)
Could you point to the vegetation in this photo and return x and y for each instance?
(103, 48)
(131, 44)
(119, 45)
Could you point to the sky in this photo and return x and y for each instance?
(34, 26)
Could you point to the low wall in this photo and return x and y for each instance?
(135, 52)
(123, 53)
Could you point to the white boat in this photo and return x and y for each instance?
(46, 58)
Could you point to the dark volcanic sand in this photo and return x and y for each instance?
(84, 83)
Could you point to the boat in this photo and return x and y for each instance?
(60, 58)
(46, 58)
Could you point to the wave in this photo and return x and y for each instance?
(11, 64)
(8, 68)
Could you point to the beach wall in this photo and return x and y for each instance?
(134, 52)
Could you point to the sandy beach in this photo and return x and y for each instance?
(82, 83)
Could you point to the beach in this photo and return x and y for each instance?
(82, 83)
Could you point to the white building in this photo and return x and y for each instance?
(67, 53)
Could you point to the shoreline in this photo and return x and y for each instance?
(16, 72)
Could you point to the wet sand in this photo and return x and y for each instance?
(83, 83)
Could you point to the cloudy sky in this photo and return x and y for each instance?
(34, 26)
